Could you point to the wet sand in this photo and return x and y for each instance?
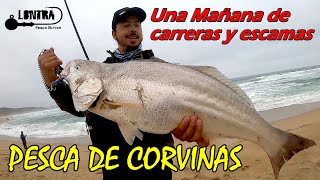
(303, 120)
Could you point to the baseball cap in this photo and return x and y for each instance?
(121, 13)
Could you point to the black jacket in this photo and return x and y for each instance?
(105, 133)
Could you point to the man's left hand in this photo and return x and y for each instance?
(190, 130)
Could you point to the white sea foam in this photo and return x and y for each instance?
(283, 89)
(52, 123)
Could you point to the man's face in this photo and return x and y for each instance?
(128, 32)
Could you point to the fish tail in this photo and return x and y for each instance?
(293, 145)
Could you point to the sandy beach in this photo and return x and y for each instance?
(299, 119)
(255, 162)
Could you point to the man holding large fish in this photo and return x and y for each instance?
(105, 133)
(146, 98)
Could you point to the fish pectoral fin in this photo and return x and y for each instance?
(115, 105)
(129, 132)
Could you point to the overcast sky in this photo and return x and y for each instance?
(21, 83)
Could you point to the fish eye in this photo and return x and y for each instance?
(77, 67)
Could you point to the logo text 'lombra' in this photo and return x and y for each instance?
(43, 19)
(36, 14)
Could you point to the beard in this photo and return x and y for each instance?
(129, 47)
(132, 48)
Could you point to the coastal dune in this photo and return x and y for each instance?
(303, 120)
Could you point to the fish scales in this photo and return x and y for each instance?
(153, 97)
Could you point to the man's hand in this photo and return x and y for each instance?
(190, 130)
(48, 61)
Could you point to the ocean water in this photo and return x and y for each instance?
(267, 91)
(283, 88)
(52, 123)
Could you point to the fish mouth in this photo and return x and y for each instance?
(62, 77)
(64, 73)
(58, 81)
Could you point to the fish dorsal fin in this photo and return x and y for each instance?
(216, 74)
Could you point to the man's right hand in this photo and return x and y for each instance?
(48, 61)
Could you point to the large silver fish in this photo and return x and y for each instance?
(154, 96)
